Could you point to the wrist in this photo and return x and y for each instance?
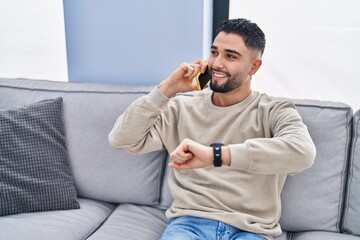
(225, 153)
(168, 88)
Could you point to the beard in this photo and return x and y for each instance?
(232, 83)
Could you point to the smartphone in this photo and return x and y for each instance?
(203, 78)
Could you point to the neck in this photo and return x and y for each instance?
(230, 98)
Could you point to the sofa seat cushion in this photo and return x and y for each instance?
(322, 235)
(132, 222)
(284, 236)
(67, 224)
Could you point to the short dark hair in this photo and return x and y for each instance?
(253, 36)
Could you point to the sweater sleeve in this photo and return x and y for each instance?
(138, 129)
(289, 150)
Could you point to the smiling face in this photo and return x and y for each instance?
(232, 63)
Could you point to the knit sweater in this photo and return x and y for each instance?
(267, 141)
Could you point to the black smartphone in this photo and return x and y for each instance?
(203, 78)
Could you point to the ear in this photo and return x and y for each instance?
(255, 66)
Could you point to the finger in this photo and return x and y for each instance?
(191, 70)
(174, 165)
(203, 64)
(181, 157)
(186, 67)
(183, 166)
(197, 70)
(203, 68)
(194, 87)
(176, 159)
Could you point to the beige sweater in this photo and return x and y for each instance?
(267, 140)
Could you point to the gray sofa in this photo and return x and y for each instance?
(122, 196)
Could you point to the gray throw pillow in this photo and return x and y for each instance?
(34, 169)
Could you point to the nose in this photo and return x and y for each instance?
(218, 63)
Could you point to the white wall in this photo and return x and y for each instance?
(207, 27)
(312, 50)
(32, 39)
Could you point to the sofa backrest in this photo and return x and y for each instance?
(90, 111)
(351, 223)
(313, 199)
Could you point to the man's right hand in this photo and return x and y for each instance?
(181, 80)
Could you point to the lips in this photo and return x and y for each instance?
(219, 74)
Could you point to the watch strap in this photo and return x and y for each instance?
(217, 153)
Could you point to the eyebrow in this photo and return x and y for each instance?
(227, 50)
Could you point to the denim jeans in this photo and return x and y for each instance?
(194, 228)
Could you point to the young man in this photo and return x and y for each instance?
(231, 148)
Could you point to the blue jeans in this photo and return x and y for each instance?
(194, 228)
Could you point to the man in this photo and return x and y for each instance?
(231, 189)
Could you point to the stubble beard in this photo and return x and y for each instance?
(232, 83)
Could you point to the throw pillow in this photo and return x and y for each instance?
(34, 170)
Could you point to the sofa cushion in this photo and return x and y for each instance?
(313, 199)
(351, 223)
(166, 197)
(283, 236)
(90, 111)
(132, 222)
(69, 224)
(34, 167)
(322, 235)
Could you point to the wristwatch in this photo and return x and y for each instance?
(217, 153)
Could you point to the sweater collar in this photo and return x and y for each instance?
(238, 106)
